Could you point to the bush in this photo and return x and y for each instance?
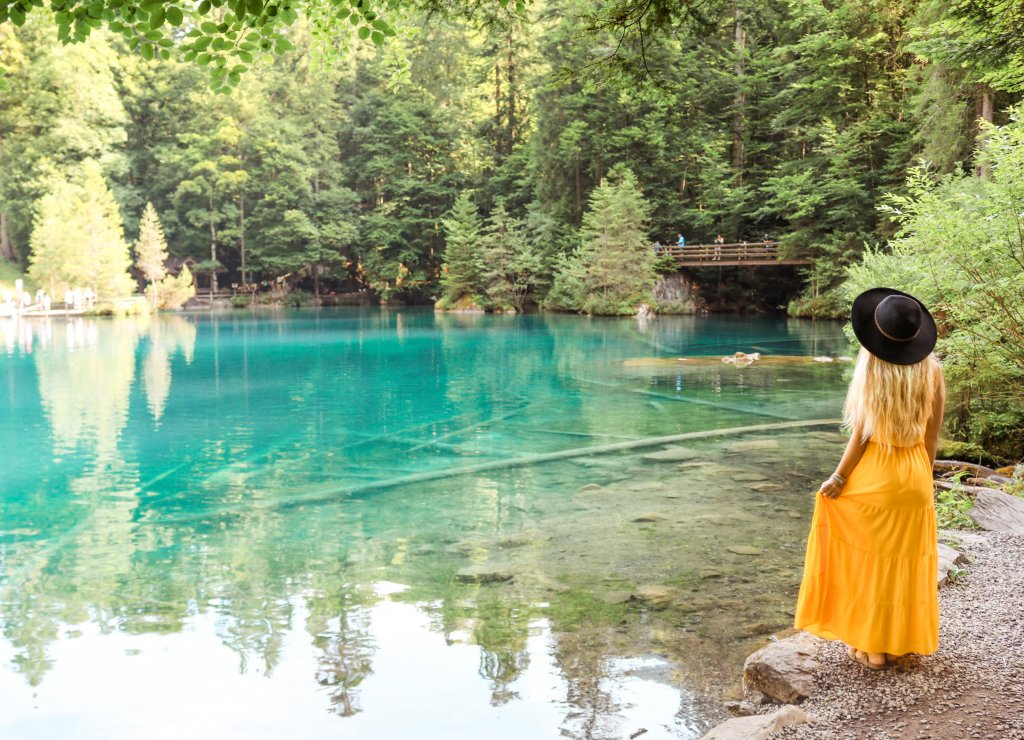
(299, 298)
(241, 301)
(959, 248)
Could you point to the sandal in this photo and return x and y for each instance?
(859, 656)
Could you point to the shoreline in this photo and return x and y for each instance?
(969, 688)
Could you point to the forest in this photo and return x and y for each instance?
(336, 164)
(509, 157)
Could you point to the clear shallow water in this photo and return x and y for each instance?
(343, 523)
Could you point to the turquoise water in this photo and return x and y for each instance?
(361, 523)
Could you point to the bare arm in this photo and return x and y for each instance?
(854, 452)
(931, 432)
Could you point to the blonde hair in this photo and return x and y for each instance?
(890, 403)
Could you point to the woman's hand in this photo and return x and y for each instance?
(830, 489)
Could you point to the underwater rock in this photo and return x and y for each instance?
(741, 477)
(745, 550)
(750, 445)
(762, 487)
(672, 454)
(484, 574)
(656, 597)
(648, 518)
(650, 485)
(591, 488)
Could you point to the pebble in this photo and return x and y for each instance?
(966, 689)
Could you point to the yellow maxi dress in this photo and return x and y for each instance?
(872, 557)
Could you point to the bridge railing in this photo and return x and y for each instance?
(720, 252)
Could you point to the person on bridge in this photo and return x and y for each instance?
(869, 574)
(681, 242)
(719, 241)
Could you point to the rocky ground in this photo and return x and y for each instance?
(973, 687)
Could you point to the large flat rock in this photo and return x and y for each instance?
(758, 726)
(784, 670)
(997, 511)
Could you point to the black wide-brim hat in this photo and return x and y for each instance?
(893, 326)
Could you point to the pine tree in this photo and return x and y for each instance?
(78, 238)
(615, 255)
(460, 274)
(509, 263)
(151, 248)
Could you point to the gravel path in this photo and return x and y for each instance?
(973, 687)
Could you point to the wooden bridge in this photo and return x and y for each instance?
(744, 254)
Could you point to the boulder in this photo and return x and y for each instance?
(672, 454)
(648, 519)
(997, 511)
(740, 477)
(758, 726)
(784, 670)
(752, 445)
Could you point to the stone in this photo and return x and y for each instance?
(997, 511)
(656, 597)
(784, 670)
(762, 487)
(484, 574)
(948, 560)
(591, 488)
(745, 550)
(648, 518)
(740, 477)
(649, 485)
(758, 726)
(672, 454)
(750, 445)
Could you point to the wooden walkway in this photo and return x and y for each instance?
(728, 255)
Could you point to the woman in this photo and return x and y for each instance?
(870, 571)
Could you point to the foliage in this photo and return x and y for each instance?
(951, 509)
(151, 247)
(78, 239)
(612, 272)
(461, 272)
(172, 291)
(508, 261)
(241, 301)
(960, 249)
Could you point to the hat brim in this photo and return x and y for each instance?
(862, 316)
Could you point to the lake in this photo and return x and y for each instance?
(395, 524)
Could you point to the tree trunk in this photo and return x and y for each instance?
(213, 250)
(986, 112)
(6, 248)
(241, 233)
(511, 94)
(740, 98)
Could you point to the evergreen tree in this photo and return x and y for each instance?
(613, 270)
(78, 240)
(509, 262)
(461, 272)
(151, 247)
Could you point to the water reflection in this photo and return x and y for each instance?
(248, 494)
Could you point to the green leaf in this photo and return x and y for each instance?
(234, 79)
(364, 32)
(254, 6)
(204, 7)
(377, 37)
(147, 52)
(208, 27)
(165, 54)
(238, 69)
(203, 59)
(175, 16)
(282, 45)
(245, 56)
(156, 18)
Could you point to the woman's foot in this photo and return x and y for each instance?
(874, 661)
